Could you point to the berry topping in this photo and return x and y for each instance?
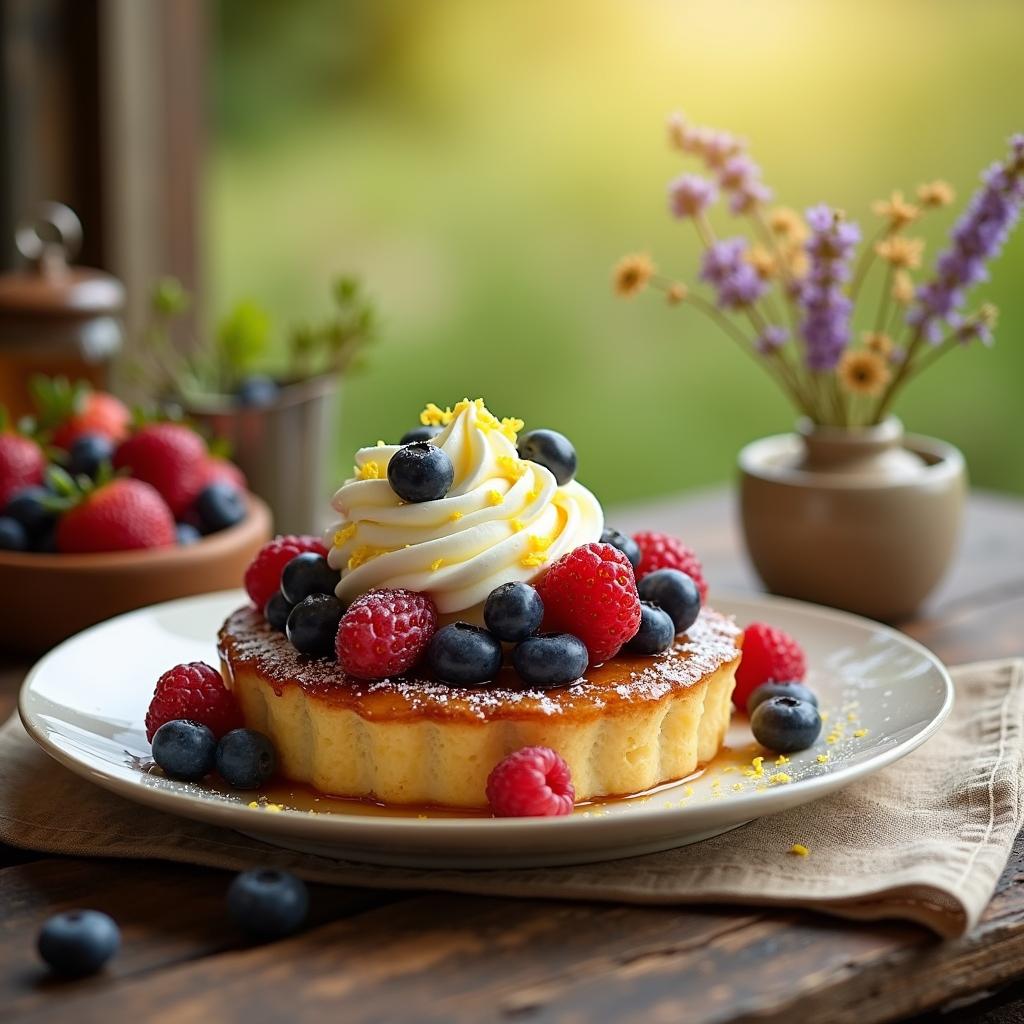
(626, 545)
(785, 724)
(33, 508)
(420, 472)
(657, 631)
(513, 611)
(551, 659)
(591, 593)
(121, 515)
(769, 655)
(195, 691)
(220, 505)
(313, 624)
(662, 551)
(549, 449)
(22, 463)
(789, 688)
(72, 410)
(267, 904)
(420, 434)
(263, 577)
(308, 574)
(674, 592)
(277, 610)
(187, 535)
(385, 632)
(170, 457)
(245, 758)
(78, 942)
(256, 391)
(532, 782)
(185, 750)
(464, 655)
(88, 453)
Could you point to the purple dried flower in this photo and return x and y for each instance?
(755, 193)
(771, 338)
(735, 281)
(721, 259)
(976, 238)
(690, 195)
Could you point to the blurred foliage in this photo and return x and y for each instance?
(484, 165)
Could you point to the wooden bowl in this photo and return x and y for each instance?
(47, 598)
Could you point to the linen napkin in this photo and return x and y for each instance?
(924, 840)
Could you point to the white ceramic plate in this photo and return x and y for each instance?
(84, 703)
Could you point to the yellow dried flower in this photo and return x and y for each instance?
(896, 210)
(761, 260)
(934, 194)
(676, 293)
(901, 251)
(787, 224)
(879, 343)
(631, 274)
(798, 261)
(903, 288)
(862, 373)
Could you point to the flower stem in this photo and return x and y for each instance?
(867, 257)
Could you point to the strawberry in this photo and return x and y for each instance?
(22, 461)
(169, 456)
(769, 655)
(217, 469)
(71, 410)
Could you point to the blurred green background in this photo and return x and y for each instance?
(483, 166)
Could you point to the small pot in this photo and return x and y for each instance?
(863, 519)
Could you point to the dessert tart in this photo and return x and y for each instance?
(402, 667)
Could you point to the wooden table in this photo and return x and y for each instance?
(380, 956)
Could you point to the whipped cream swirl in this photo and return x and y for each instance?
(503, 519)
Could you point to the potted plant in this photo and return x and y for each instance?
(278, 423)
(848, 511)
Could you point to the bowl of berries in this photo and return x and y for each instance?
(101, 514)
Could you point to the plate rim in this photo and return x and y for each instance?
(339, 825)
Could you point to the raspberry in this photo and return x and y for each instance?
(591, 593)
(263, 577)
(533, 781)
(663, 551)
(385, 632)
(769, 655)
(195, 692)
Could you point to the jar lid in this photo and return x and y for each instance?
(49, 286)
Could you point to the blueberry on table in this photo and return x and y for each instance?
(513, 611)
(184, 750)
(31, 507)
(657, 631)
(257, 390)
(267, 904)
(313, 624)
(219, 506)
(88, 453)
(78, 942)
(245, 758)
(675, 592)
(552, 450)
(420, 472)
(277, 610)
(781, 689)
(187, 534)
(551, 659)
(13, 536)
(626, 545)
(464, 655)
(785, 724)
(308, 574)
(420, 434)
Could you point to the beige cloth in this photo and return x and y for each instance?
(924, 840)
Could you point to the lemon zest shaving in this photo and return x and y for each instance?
(495, 498)
(370, 471)
(344, 534)
(799, 850)
(779, 779)
(781, 759)
(455, 516)
(364, 554)
(436, 564)
(435, 416)
(860, 733)
(516, 524)
(822, 758)
(512, 467)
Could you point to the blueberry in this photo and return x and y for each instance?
(187, 534)
(88, 453)
(420, 434)
(219, 506)
(675, 592)
(13, 536)
(277, 610)
(785, 724)
(30, 507)
(268, 904)
(773, 689)
(551, 659)
(257, 390)
(308, 574)
(46, 542)
(420, 472)
(552, 450)
(245, 758)
(78, 942)
(313, 624)
(626, 545)
(657, 631)
(464, 655)
(185, 750)
(513, 612)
